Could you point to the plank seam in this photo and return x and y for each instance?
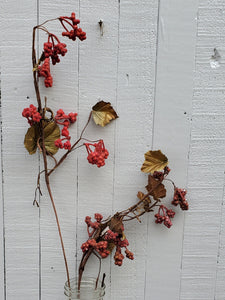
(189, 151)
(2, 183)
(153, 120)
(219, 239)
(115, 131)
(39, 168)
(78, 106)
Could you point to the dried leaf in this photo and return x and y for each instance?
(154, 161)
(116, 225)
(158, 191)
(51, 133)
(30, 140)
(145, 205)
(103, 113)
(140, 195)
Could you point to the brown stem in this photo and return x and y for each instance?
(84, 260)
(74, 145)
(86, 256)
(132, 208)
(44, 152)
(99, 270)
(34, 61)
(53, 204)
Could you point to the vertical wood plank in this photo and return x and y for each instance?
(63, 94)
(203, 255)
(2, 233)
(21, 218)
(97, 81)
(175, 65)
(135, 97)
(220, 268)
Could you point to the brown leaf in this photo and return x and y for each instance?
(159, 190)
(141, 195)
(116, 224)
(145, 205)
(103, 113)
(30, 140)
(154, 161)
(51, 133)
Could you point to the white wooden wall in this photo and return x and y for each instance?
(153, 65)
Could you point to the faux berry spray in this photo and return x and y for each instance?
(107, 235)
(49, 131)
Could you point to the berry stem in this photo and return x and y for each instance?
(72, 147)
(63, 25)
(34, 61)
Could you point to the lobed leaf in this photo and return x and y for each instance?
(103, 113)
(154, 161)
(158, 190)
(51, 133)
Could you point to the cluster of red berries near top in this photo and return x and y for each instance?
(164, 214)
(53, 47)
(75, 31)
(31, 114)
(62, 119)
(53, 50)
(179, 198)
(98, 156)
(44, 71)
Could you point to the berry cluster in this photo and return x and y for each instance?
(179, 198)
(107, 237)
(118, 257)
(93, 225)
(75, 31)
(44, 71)
(110, 235)
(31, 114)
(115, 238)
(100, 247)
(62, 119)
(53, 48)
(164, 214)
(98, 156)
(129, 254)
(160, 175)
